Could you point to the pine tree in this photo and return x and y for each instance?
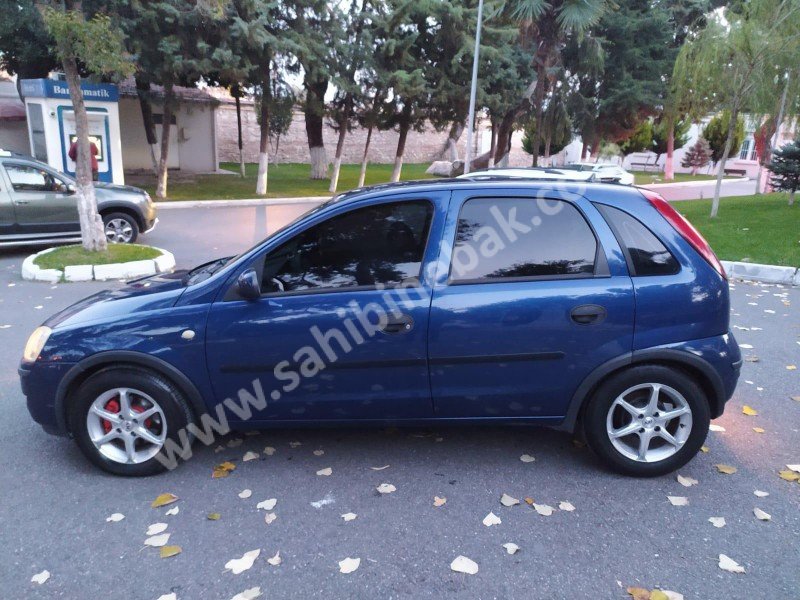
(785, 168)
(697, 156)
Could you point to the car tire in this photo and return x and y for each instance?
(620, 420)
(144, 391)
(120, 228)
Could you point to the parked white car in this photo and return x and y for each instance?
(606, 172)
(532, 173)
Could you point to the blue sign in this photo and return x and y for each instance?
(50, 88)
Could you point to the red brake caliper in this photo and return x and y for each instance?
(112, 406)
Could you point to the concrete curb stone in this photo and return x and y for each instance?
(128, 270)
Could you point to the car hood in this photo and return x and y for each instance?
(141, 295)
(115, 188)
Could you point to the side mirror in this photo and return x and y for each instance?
(248, 285)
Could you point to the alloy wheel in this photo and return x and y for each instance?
(119, 231)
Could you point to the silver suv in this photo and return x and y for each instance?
(38, 205)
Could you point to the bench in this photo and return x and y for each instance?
(644, 166)
(739, 172)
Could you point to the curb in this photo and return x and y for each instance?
(763, 273)
(245, 202)
(127, 270)
(660, 186)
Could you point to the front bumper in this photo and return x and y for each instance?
(39, 382)
(150, 225)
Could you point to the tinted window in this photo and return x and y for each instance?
(25, 178)
(381, 244)
(521, 237)
(648, 256)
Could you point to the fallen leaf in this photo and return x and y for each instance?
(678, 500)
(239, 565)
(295, 444)
(759, 429)
(169, 551)
(275, 560)
(746, 346)
(349, 516)
(795, 468)
(749, 411)
(115, 518)
(658, 595)
(789, 475)
(543, 509)
(250, 456)
(761, 494)
(235, 443)
(687, 481)
(704, 449)
(348, 565)
(269, 518)
(249, 594)
(567, 506)
(491, 519)
(638, 593)
(717, 428)
(269, 450)
(213, 516)
(157, 540)
(386, 488)
(511, 548)
(462, 564)
(726, 563)
(529, 501)
(726, 469)
(507, 500)
(791, 367)
(171, 596)
(325, 472)
(527, 458)
(156, 528)
(319, 452)
(796, 398)
(717, 521)
(245, 494)
(163, 500)
(173, 511)
(40, 578)
(328, 499)
(380, 468)
(222, 470)
(267, 504)
(437, 501)
(761, 515)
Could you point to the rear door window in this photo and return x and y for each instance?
(501, 239)
(646, 254)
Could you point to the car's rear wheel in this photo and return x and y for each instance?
(647, 421)
(120, 228)
(122, 418)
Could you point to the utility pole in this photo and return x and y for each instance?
(473, 89)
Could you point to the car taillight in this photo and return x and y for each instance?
(686, 229)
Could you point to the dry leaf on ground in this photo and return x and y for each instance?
(267, 504)
(678, 500)
(245, 494)
(717, 521)
(269, 518)
(40, 578)
(726, 469)
(349, 516)
(749, 411)
(761, 515)
(239, 565)
(462, 564)
(437, 501)
(726, 563)
(567, 506)
(380, 468)
(527, 458)
(386, 488)
(348, 565)
(275, 560)
(163, 500)
(687, 481)
(249, 594)
(789, 475)
(507, 500)
(248, 456)
(319, 452)
(491, 519)
(169, 551)
(213, 516)
(269, 450)
(156, 528)
(115, 518)
(173, 511)
(511, 548)
(543, 509)
(717, 428)
(325, 472)
(157, 541)
(761, 494)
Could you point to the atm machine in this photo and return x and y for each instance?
(51, 125)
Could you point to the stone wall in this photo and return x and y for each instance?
(421, 147)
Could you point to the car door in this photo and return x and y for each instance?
(43, 202)
(535, 297)
(8, 220)
(339, 332)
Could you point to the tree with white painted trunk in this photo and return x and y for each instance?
(94, 42)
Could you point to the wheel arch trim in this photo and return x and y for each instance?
(95, 362)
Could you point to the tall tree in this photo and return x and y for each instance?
(90, 40)
(26, 48)
(720, 135)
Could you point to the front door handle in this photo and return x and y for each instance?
(401, 324)
(22, 201)
(588, 314)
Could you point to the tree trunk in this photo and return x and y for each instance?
(584, 148)
(166, 123)
(263, 146)
(401, 148)
(337, 161)
(236, 92)
(314, 113)
(492, 143)
(504, 132)
(791, 197)
(669, 163)
(363, 174)
(143, 93)
(451, 147)
(723, 160)
(93, 236)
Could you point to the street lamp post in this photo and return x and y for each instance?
(473, 89)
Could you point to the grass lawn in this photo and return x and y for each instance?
(289, 180)
(76, 255)
(759, 229)
(648, 177)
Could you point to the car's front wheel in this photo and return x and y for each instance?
(647, 421)
(120, 228)
(122, 418)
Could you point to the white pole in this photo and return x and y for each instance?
(473, 89)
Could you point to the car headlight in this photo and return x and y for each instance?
(35, 343)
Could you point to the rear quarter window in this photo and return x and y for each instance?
(645, 253)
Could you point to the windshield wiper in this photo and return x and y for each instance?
(204, 271)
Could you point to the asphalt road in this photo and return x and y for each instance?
(624, 532)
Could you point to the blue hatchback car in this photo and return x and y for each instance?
(593, 308)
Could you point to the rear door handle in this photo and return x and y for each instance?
(401, 324)
(588, 314)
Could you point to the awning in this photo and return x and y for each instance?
(11, 109)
